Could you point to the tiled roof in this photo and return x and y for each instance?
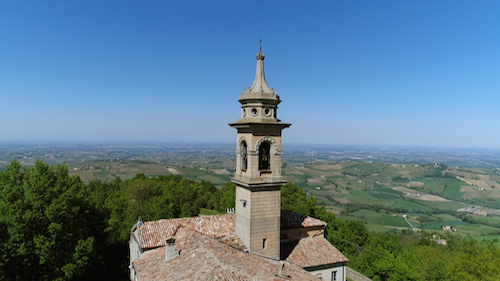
(220, 273)
(204, 258)
(291, 219)
(315, 251)
(152, 234)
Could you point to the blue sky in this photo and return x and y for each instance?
(423, 73)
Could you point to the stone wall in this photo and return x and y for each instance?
(353, 275)
(265, 223)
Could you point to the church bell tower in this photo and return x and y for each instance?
(258, 167)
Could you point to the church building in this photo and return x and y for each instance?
(259, 241)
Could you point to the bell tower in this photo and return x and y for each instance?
(258, 167)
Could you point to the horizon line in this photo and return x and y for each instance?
(230, 143)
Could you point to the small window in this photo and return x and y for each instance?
(334, 275)
(264, 241)
(319, 276)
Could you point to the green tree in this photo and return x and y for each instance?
(51, 230)
(475, 262)
(295, 199)
(226, 197)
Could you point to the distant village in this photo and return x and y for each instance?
(474, 211)
(84, 168)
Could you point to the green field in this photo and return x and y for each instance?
(400, 179)
(377, 228)
(385, 196)
(487, 202)
(382, 173)
(453, 190)
(446, 217)
(364, 197)
(366, 215)
(419, 215)
(414, 223)
(452, 205)
(103, 176)
(352, 218)
(410, 206)
(395, 221)
(212, 179)
(385, 189)
(478, 229)
(436, 225)
(491, 221)
(495, 239)
(225, 178)
(434, 185)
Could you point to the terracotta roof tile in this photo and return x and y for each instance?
(306, 253)
(291, 219)
(315, 251)
(152, 234)
(204, 258)
(220, 273)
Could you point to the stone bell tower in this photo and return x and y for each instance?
(258, 167)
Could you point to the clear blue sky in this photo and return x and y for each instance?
(421, 73)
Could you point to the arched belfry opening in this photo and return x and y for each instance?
(243, 155)
(258, 171)
(265, 156)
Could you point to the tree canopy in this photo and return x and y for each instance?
(50, 230)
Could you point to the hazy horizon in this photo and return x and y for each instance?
(166, 142)
(387, 73)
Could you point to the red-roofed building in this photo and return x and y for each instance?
(260, 241)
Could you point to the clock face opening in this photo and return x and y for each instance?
(243, 112)
(254, 111)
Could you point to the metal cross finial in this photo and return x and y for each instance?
(260, 44)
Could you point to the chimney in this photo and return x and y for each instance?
(281, 270)
(170, 251)
(140, 222)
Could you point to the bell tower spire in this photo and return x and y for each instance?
(258, 167)
(259, 84)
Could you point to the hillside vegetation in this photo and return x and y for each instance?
(55, 227)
